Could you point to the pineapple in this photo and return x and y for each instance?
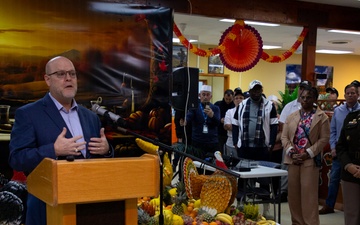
(143, 217)
(205, 216)
(154, 220)
(180, 199)
(180, 187)
(179, 205)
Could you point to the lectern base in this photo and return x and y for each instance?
(103, 213)
(99, 213)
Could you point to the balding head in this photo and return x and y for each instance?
(53, 64)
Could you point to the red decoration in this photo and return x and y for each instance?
(243, 47)
(275, 59)
(240, 47)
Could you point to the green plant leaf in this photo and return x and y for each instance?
(286, 97)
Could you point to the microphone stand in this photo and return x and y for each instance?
(161, 153)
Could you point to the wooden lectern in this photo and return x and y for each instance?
(64, 185)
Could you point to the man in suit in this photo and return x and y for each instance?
(55, 127)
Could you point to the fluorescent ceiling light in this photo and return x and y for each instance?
(190, 38)
(177, 40)
(344, 32)
(328, 51)
(271, 46)
(227, 20)
(252, 23)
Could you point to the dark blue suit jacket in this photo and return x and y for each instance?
(36, 127)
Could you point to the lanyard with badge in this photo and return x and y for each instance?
(205, 127)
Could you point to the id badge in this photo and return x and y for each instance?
(205, 129)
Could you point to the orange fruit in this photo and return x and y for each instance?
(190, 208)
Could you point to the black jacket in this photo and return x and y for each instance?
(348, 146)
(223, 108)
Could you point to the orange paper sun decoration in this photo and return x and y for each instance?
(243, 47)
(240, 47)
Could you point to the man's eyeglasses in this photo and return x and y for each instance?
(61, 74)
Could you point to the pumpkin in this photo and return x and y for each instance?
(166, 130)
(136, 116)
(134, 120)
(153, 113)
(155, 123)
(156, 112)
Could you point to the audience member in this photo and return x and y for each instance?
(55, 127)
(333, 93)
(229, 122)
(276, 153)
(305, 134)
(289, 108)
(336, 124)
(246, 94)
(258, 124)
(257, 121)
(332, 96)
(225, 104)
(357, 84)
(204, 123)
(348, 153)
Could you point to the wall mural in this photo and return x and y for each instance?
(122, 54)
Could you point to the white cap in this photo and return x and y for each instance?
(205, 88)
(254, 83)
(272, 98)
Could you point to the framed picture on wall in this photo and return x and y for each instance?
(179, 56)
(323, 77)
(215, 65)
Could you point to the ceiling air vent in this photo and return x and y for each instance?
(339, 42)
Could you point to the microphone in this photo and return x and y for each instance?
(70, 158)
(107, 114)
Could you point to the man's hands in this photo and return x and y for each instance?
(333, 153)
(208, 111)
(354, 170)
(99, 146)
(68, 146)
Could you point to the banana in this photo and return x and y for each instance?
(262, 222)
(223, 217)
(147, 146)
(271, 222)
(266, 222)
(224, 220)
